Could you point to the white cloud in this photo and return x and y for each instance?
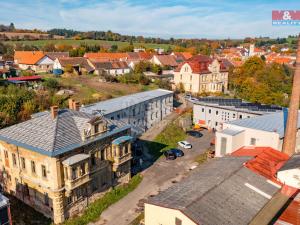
(197, 19)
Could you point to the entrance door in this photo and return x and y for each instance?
(223, 145)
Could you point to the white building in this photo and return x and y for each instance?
(211, 113)
(33, 60)
(261, 131)
(141, 110)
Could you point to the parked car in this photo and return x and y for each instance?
(184, 144)
(194, 133)
(177, 152)
(170, 155)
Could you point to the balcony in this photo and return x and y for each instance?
(74, 183)
(120, 160)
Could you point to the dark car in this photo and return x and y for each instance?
(170, 155)
(177, 152)
(194, 133)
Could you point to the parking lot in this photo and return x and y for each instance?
(161, 175)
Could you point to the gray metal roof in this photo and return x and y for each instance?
(75, 159)
(222, 191)
(231, 132)
(3, 201)
(55, 136)
(273, 122)
(117, 104)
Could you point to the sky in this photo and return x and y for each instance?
(153, 18)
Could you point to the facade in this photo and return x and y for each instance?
(80, 65)
(59, 161)
(33, 60)
(202, 74)
(212, 112)
(224, 192)
(5, 215)
(262, 131)
(114, 68)
(141, 110)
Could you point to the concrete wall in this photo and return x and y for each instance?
(215, 116)
(143, 116)
(156, 215)
(234, 142)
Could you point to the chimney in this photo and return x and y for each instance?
(54, 111)
(289, 142)
(71, 103)
(76, 106)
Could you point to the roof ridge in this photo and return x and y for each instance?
(55, 132)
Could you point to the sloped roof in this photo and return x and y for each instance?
(273, 122)
(116, 104)
(28, 57)
(54, 136)
(167, 60)
(54, 55)
(106, 55)
(75, 61)
(222, 191)
(266, 161)
(110, 65)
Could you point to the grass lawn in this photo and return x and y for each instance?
(41, 43)
(167, 139)
(93, 212)
(87, 88)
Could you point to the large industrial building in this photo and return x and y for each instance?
(212, 112)
(141, 110)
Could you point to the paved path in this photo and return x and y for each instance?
(161, 175)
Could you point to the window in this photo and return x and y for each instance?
(44, 172)
(202, 109)
(14, 159)
(180, 76)
(103, 155)
(112, 118)
(252, 141)
(217, 112)
(74, 175)
(82, 169)
(241, 116)
(191, 78)
(93, 159)
(233, 115)
(23, 164)
(33, 167)
(209, 111)
(69, 200)
(133, 111)
(190, 87)
(6, 154)
(96, 128)
(178, 221)
(118, 116)
(46, 199)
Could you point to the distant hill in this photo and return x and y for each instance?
(5, 36)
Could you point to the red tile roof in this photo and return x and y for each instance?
(291, 214)
(26, 78)
(28, 57)
(266, 161)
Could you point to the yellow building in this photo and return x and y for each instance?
(59, 161)
(202, 74)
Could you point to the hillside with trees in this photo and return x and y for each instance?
(256, 81)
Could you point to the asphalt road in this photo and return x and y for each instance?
(161, 175)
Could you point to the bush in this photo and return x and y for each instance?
(51, 84)
(94, 210)
(68, 69)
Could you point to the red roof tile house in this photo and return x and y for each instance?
(33, 60)
(202, 74)
(164, 61)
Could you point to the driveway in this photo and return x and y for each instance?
(161, 175)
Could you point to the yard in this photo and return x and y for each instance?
(167, 139)
(120, 44)
(88, 89)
